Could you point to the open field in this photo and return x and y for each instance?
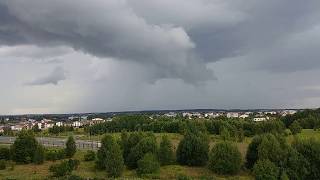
(86, 169)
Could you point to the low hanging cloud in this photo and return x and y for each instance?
(57, 75)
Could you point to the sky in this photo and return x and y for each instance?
(67, 56)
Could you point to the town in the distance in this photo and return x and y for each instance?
(46, 121)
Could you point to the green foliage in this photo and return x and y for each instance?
(64, 168)
(166, 155)
(3, 164)
(265, 170)
(271, 149)
(54, 154)
(310, 150)
(225, 158)
(90, 156)
(284, 176)
(296, 165)
(114, 160)
(183, 177)
(132, 141)
(39, 155)
(193, 150)
(146, 145)
(24, 147)
(106, 144)
(5, 153)
(295, 127)
(224, 134)
(148, 164)
(71, 147)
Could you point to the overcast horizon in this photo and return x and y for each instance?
(128, 55)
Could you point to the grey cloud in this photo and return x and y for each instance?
(105, 29)
(57, 75)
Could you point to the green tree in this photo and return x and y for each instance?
(224, 134)
(24, 147)
(295, 127)
(39, 156)
(114, 160)
(146, 145)
(90, 156)
(225, 158)
(71, 147)
(166, 155)
(265, 170)
(148, 164)
(106, 145)
(193, 150)
(252, 152)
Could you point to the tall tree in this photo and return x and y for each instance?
(71, 147)
(166, 155)
(24, 147)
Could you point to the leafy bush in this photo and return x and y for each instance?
(193, 150)
(148, 164)
(166, 155)
(295, 127)
(5, 153)
(64, 168)
(310, 150)
(225, 158)
(71, 147)
(146, 145)
(90, 156)
(54, 154)
(3, 164)
(39, 155)
(265, 169)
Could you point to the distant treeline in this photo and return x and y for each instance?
(178, 125)
(308, 119)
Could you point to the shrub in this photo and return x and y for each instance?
(110, 157)
(90, 156)
(225, 158)
(310, 150)
(146, 145)
(64, 168)
(166, 155)
(252, 152)
(114, 160)
(3, 164)
(183, 177)
(24, 147)
(5, 153)
(132, 141)
(265, 169)
(54, 154)
(193, 150)
(71, 147)
(295, 127)
(39, 156)
(148, 164)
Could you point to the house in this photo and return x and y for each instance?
(243, 116)
(59, 124)
(171, 114)
(212, 115)
(232, 115)
(259, 119)
(96, 121)
(77, 124)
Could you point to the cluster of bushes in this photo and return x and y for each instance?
(60, 129)
(26, 149)
(64, 168)
(138, 151)
(307, 119)
(271, 157)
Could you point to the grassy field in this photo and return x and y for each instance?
(86, 169)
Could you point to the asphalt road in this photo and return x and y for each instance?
(56, 142)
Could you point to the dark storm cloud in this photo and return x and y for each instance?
(57, 75)
(176, 39)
